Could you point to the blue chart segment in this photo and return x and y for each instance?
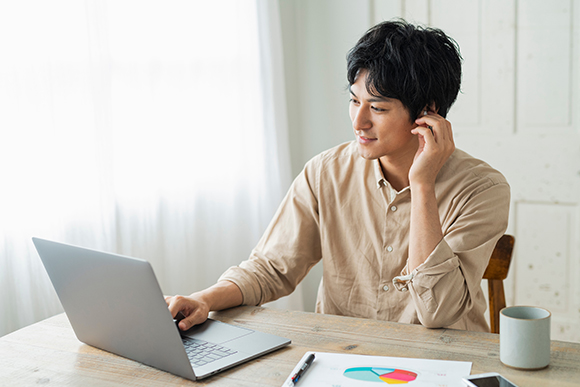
(380, 375)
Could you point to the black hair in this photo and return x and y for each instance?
(416, 65)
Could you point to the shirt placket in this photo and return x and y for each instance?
(394, 228)
(385, 283)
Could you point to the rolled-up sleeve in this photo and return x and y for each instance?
(289, 248)
(445, 286)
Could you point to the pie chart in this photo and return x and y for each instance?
(380, 375)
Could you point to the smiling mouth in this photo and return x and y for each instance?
(364, 140)
(359, 133)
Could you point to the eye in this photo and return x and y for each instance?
(354, 101)
(378, 109)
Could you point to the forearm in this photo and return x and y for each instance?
(222, 295)
(448, 285)
(425, 227)
(435, 147)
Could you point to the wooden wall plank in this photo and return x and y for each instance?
(498, 66)
(544, 71)
(542, 265)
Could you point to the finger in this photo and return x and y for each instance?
(176, 304)
(195, 318)
(426, 126)
(424, 119)
(430, 119)
(427, 133)
(190, 309)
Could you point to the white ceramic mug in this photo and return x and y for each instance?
(524, 337)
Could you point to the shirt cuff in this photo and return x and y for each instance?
(432, 266)
(401, 282)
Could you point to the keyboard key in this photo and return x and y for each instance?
(201, 352)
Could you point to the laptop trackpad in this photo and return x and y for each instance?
(216, 332)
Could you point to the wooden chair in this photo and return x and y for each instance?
(496, 272)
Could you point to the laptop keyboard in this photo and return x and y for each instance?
(202, 352)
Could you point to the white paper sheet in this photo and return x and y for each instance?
(345, 370)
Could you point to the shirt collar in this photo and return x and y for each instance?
(381, 181)
(379, 177)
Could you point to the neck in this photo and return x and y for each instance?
(396, 169)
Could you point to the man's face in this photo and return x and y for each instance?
(382, 126)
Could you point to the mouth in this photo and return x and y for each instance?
(364, 140)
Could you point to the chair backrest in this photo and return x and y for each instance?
(496, 272)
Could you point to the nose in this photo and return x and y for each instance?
(360, 119)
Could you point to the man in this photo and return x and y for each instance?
(404, 223)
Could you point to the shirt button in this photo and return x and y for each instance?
(389, 249)
(393, 208)
(386, 288)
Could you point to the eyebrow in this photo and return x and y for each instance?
(374, 98)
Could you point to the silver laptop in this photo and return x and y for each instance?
(115, 303)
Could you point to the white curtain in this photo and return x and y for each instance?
(154, 129)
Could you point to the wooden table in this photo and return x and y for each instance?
(48, 353)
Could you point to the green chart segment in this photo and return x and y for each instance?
(381, 375)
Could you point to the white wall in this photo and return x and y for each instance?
(518, 110)
(317, 36)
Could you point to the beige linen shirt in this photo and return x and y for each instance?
(342, 210)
